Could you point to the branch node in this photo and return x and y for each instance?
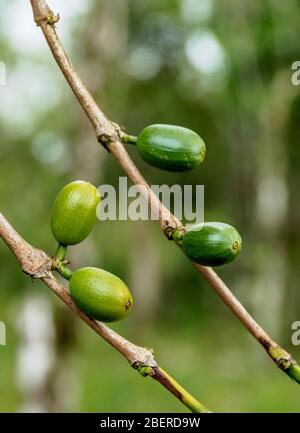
(170, 230)
(282, 358)
(120, 129)
(143, 369)
(50, 19)
(42, 271)
(105, 140)
(285, 362)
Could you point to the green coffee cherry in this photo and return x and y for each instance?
(170, 147)
(100, 294)
(74, 212)
(211, 244)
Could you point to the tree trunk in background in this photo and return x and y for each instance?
(36, 353)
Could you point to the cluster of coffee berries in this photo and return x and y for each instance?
(174, 148)
(100, 294)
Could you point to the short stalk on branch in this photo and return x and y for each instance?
(131, 139)
(60, 253)
(59, 262)
(62, 269)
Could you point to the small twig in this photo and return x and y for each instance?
(37, 264)
(110, 135)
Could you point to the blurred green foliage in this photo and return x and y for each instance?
(221, 68)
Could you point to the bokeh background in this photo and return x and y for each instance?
(222, 68)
